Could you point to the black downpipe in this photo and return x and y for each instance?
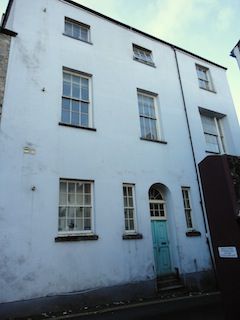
(194, 157)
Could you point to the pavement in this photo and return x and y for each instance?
(197, 306)
(208, 312)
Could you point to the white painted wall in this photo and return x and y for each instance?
(32, 264)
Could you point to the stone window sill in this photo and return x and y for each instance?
(134, 236)
(67, 35)
(193, 233)
(152, 140)
(71, 238)
(74, 126)
(209, 90)
(151, 64)
(212, 152)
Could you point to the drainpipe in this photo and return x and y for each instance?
(195, 162)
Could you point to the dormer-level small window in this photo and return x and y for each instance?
(77, 30)
(142, 55)
(204, 78)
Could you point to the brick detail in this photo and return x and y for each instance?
(5, 41)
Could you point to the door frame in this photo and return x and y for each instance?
(161, 217)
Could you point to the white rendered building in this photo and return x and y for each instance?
(101, 132)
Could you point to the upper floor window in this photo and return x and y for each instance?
(147, 113)
(213, 133)
(77, 30)
(204, 78)
(75, 206)
(142, 55)
(76, 106)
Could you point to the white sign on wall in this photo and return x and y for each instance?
(227, 252)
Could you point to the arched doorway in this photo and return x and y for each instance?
(159, 228)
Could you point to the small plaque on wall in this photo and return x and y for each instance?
(227, 252)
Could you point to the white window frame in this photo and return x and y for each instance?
(153, 96)
(134, 230)
(160, 202)
(207, 80)
(143, 55)
(80, 26)
(219, 136)
(188, 211)
(82, 75)
(91, 206)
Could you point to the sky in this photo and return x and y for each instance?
(208, 28)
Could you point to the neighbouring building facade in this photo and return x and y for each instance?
(101, 132)
(236, 53)
(5, 40)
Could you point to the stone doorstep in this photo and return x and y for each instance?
(170, 283)
(172, 287)
(166, 303)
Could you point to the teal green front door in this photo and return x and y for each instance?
(161, 247)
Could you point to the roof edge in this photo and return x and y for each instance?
(8, 32)
(6, 15)
(140, 32)
(232, 54)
